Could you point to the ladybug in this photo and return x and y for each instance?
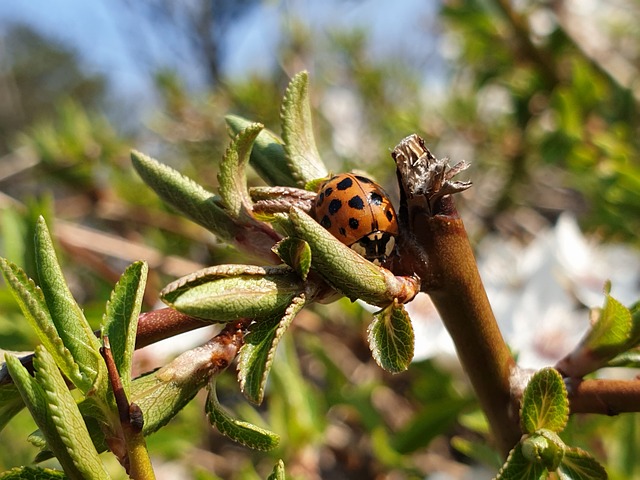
(358, 212)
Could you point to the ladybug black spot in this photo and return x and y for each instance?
(375, 198)
(342, 231)
(334, 206)
(389, 215)
(362, 179)
(354, 223)
(345, 183)
(356, 202)
(320, 199)
(328, 191)
(326, 222)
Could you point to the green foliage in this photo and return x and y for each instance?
(228, 292)
(544, 414)
(391, 338)
(241, 432)
(259, 350)
(304, 163)
(56, 413)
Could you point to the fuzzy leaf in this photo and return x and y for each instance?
(518, 467)
(232, 178)
(296, 253)
(391, 338)
(204, 208)
(268, 157)
(579, 465)
(120, 321)
(67, 316)
(185, 195)
(297, 131)
(32, 473)
(66, 417)
(611, 332)
(227, 292)
(56, 413)
(256, 355)
(278, 472)
(545, 403)
(32, 303)
(244, 433)
(544, 447)
(346, 271)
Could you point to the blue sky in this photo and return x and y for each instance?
(115, 42)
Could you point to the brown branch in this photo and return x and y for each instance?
(437, 249)
(606, 397)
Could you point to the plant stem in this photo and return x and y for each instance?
(435, 246)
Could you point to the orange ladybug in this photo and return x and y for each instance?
(358, 212)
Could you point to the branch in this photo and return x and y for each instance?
(438, 251)
(606, 397)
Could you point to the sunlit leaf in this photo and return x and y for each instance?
(268, 157)
(346, 271)
(67, 316)
(120, 320)
(227, 292)
(32, 303)
(32, 473)
(544, 447)
(297, 131)
(296, 253)
(232, 178)
(244, 433)
(256, 356)
(56, 413)
(391, 338)
(278, 472)
(579, 465)
(517, 467)
(185, 195)
(545, 402)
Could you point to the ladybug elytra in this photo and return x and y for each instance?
(358, 212)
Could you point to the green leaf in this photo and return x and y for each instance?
(232, 178)
(579, 465)
(32, 473)
(226, 293)
(517, 467)
(391, 338)
(544, 447)
(278, 472)
(545, 403)
(67, 316)
(10, 403)
(611, 332)
(257, 354)
(56, 413)
(204, 208)
(268, 157)
(120, 321)
(33, 306)
(346, 271)
(297, 131)
(244, 433)
(296, 253)
(185, 195)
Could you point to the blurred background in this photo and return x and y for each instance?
(540, 96)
